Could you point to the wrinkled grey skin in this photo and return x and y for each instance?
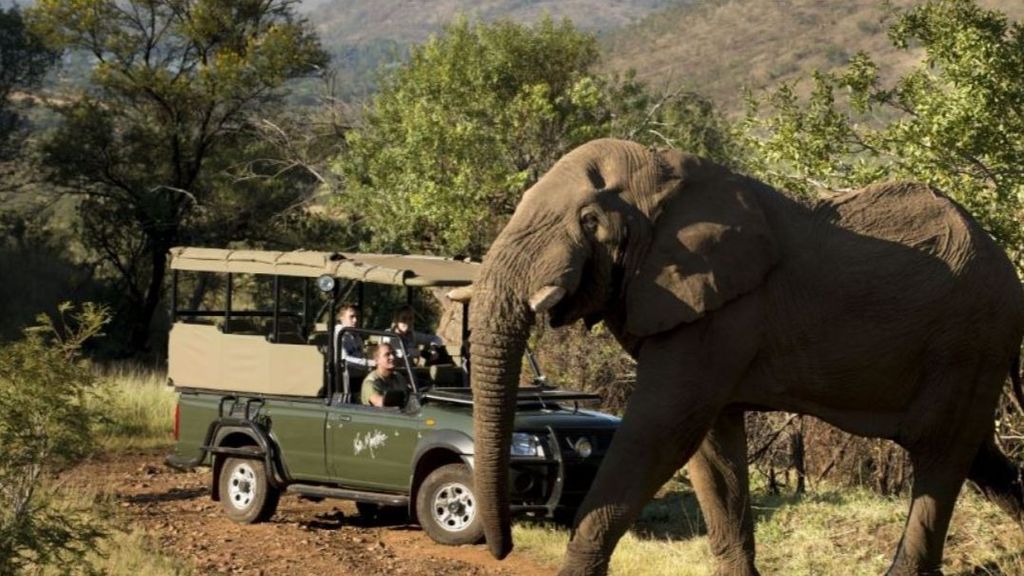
(887, 312)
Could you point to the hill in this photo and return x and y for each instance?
(353, 22)
(362, 37)
(720, 47)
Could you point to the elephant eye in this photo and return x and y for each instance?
(589, 221)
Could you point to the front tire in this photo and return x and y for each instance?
(447, 507)
(245, 493)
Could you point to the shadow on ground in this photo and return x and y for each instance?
(396, 519)
(172, 495)
(676, 514)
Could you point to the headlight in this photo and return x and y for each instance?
(583, 447)
(526, 445)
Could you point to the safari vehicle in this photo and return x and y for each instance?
(265, 401)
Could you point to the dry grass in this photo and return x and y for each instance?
(828, 532)
(136, 407)
(852, 532)
(123, 550)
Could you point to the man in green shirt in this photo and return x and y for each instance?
(384, 379)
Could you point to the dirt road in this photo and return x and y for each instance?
(322, 538)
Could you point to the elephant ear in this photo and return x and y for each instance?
(711, 244)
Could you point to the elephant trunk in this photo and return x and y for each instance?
(500, 323)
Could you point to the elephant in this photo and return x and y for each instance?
(887, 312)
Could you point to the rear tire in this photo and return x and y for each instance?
(446, 506)
(245, 493)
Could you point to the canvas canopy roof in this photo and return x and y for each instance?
(396, 269)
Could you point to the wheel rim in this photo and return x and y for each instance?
(454, 507)
(242, 486)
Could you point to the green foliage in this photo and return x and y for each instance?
(955, 121)
(456, 134)
(173, 86)
(45, 427)
(24, 60)
(477, 115)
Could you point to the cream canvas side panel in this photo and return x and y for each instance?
(200, 356)
(194, 356)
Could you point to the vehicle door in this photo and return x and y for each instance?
(370, 447)
(297, 427)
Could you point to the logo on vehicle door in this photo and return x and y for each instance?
(369, 441)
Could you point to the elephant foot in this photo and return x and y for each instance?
(904, 567)
(579, 562)
(901, 572)
(744, 569)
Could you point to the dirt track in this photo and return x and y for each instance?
(304, 537)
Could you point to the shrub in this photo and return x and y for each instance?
(45, 427)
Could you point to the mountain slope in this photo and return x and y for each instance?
(354, 22)
(720, 47)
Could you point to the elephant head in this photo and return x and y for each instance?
(642, 239)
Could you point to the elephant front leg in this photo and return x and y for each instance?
(643, 456)
(719, 474)
(677, 399)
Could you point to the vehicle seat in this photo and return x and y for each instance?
(289, 331)
(447, 376)
(239, 326)
(355, 375)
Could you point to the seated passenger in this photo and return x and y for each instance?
(411, 339)
(384, 379)
(350, 345)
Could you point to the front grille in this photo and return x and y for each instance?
(533, 483)
(580, 471)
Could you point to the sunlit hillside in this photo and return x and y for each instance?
(720, 47)
(347, 22)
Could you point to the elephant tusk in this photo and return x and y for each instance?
(460, 294)
(545, 298)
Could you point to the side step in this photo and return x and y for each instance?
(343, 494)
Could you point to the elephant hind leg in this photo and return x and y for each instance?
(719, 474)
(947, 430)
(938, 478)
(999, 479)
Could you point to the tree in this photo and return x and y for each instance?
(45, 427)
(24, 60)
(174, 84)
(956, 121)
(474, 118)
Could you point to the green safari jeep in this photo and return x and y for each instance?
(265, 400)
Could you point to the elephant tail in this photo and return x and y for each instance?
(1018, 392)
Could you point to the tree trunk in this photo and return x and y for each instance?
(143, 319)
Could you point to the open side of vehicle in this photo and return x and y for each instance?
(267, 400)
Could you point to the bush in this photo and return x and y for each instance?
(45, 427)
(591, 361)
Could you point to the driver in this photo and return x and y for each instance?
(384, 379)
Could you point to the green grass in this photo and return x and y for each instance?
(136, 408)
(853, 532)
